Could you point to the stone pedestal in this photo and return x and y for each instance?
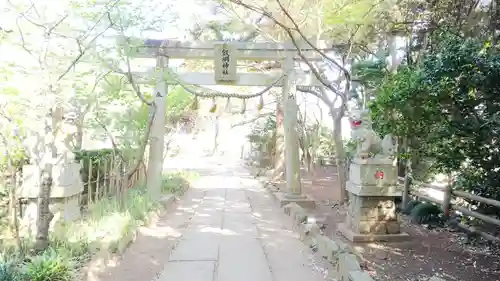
(64, 197)
(371, 215)
(301, 200)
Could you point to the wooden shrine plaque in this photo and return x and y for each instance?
(225, 59)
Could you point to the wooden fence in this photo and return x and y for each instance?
(102, 177)
(105, 176)
(450, 201)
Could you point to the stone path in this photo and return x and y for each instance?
(225, 228)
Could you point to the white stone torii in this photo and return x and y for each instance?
(225, 74)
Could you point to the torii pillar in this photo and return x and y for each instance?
(292, 159)
(225, 56)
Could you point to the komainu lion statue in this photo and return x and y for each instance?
(368, 143)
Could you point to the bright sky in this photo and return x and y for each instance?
(201, 12)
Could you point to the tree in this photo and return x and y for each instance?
(354, 17)
(51, 46)
(447, 107)
(66, 75)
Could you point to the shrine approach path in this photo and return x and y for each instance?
(226, 227)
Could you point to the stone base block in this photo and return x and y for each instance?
(373, 173)
(374, 190)
(374, 227)
(357, 237)
(359, 276)
(66, 181)
(305, 201)
(64, 210)
(347, 263)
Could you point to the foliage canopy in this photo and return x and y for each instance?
(448, 106)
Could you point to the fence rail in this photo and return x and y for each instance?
(104, 177)
(448, 204)
(101, 177)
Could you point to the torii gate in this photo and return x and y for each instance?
(225, 56)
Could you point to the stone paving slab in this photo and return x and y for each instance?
(277, 248)
(242, 259)
(188, 271)
(194, 247)
(241, 229)
(236, 195)
(238, 208)
(238, 233)
(212, 220)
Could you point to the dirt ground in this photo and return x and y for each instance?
(445, 253)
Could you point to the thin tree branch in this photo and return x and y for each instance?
(82, 53)
(23, 41)
(297, 29)
(252, 120)
(111, 138)
(58, 23)
(289, 32)
(101, 17)
(310, 90)
(152, 105)
(217, 31)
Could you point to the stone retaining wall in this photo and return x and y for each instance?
(344, 259)
(336, 252)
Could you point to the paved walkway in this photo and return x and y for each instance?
(225, 228)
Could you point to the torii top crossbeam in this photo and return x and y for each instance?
(149, 48)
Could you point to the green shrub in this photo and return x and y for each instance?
(108, 220)
(98, 161)
(263, 140)
(176, 182)
(97, 154)
(74, 250)
(325, 142)
(8, 272)
(139, 204)
(105, 224)
(410, 206)
(49, 266)
(426, 213)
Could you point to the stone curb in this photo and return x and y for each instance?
(337, 253)
(108, 256)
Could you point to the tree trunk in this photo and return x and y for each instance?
(13, 221)
(216, 135)
(408, 173)
(79, 135)
(340, 153)
(279, 156)
(44, 216)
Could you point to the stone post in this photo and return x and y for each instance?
(292, 160)
(64, 197)
(372, 187)
(67, 184)
(157, 131)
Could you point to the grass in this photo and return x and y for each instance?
(107, 222)
(174, 183)
(105, 226)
